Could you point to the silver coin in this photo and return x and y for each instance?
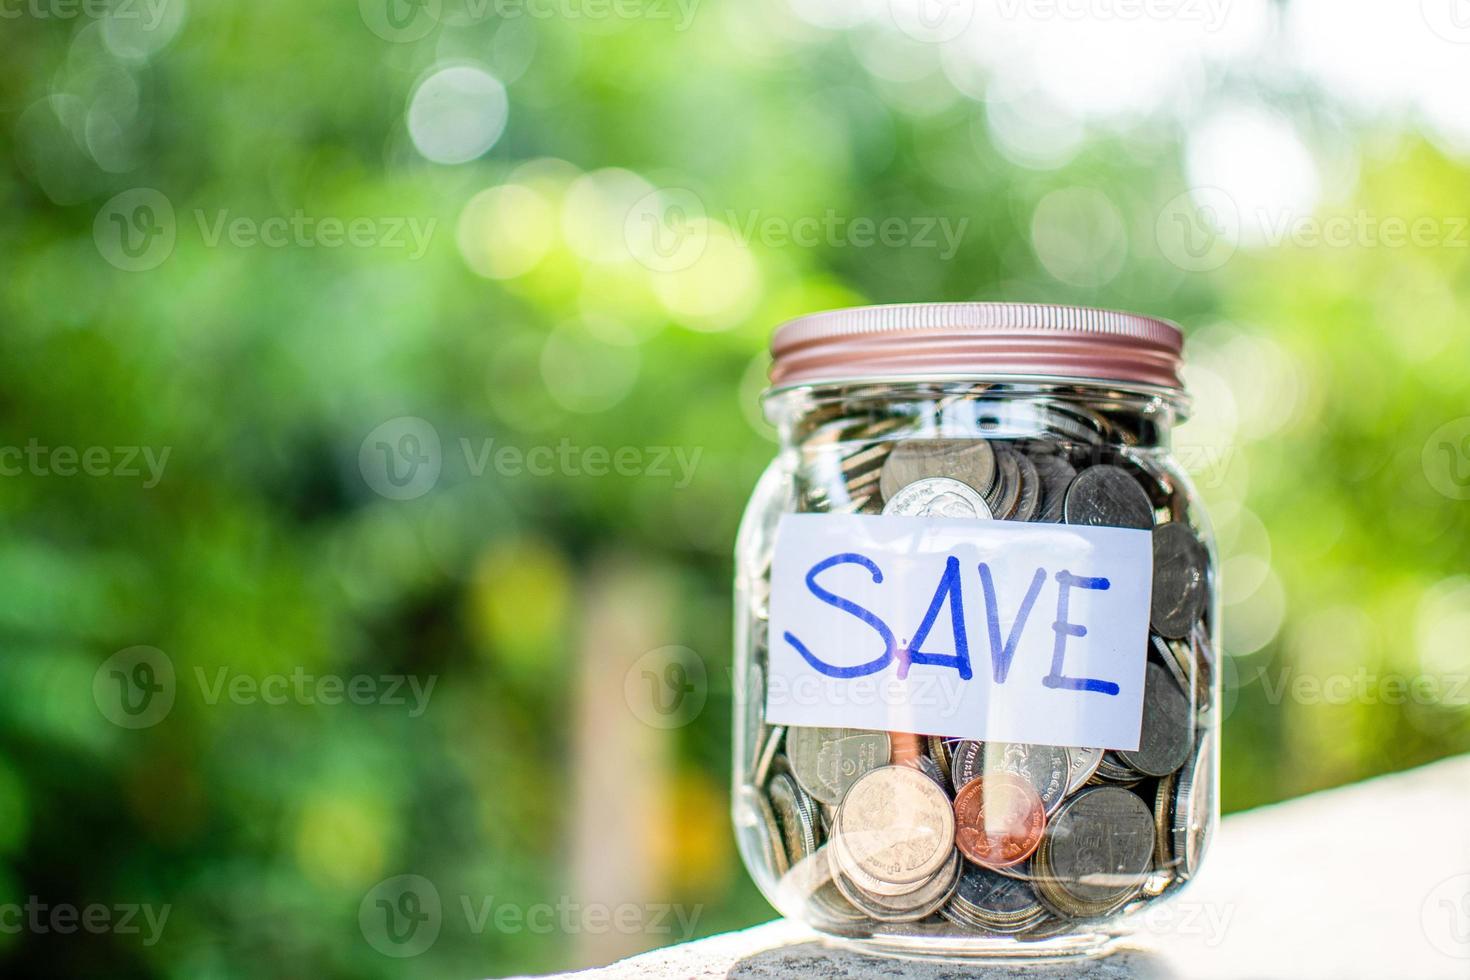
(1164, 858)
(1108, 496)
(931, 769)
(1031, 489)
(1163, 651)
(753, 714)
(1056, 477)
(995, 896)
(1081, 765)
(1098, 851)
(910, 906)
(970, 461)
(1181, 588)
(827, 761)
(1045, 767)
(1006, 490)
(937, 497)
(763, 765)
(1194, 806)
(757, 833)
(1168, 726)
(895, 824)
(869, 457)
(795, 816)
(939, 751)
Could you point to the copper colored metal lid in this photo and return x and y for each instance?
(949, 340)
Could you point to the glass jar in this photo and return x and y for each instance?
(975, 632)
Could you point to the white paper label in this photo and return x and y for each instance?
(992, 630)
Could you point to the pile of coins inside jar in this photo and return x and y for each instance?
(870, 832)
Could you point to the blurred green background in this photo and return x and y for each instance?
(381, 396)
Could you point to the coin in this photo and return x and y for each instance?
(1180, 592)
(774, 737)
(939, 752)
(1163, 651)
(1097, 854)
(757, 831)
(1056, 476)
(754, 716)
(896, 825)
(1168, 726)
(1005, 493)
(987, 899)
(1045, 767)
(999, 820)
(1029, 501)
(827, 761)
(937, 497)
(909, 906)
(906, 747)
(1194, 806)
(931, 769)
(795, 815)
(1081, 764)
(1107, 496)
(1163, 807)
(868, 457)
(969, 461)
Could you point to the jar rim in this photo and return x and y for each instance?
(1033, 341)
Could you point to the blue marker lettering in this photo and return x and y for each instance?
(949, 585)
(1000, 657)
(889, 643)
(1064, 629)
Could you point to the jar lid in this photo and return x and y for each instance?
(950, 340)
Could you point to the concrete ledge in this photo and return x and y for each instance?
(1368, 881)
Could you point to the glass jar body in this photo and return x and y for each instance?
(1116, 832)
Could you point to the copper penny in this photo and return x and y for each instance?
(999, 820)
(906, 748)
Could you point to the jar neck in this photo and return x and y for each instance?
(1015, 409)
